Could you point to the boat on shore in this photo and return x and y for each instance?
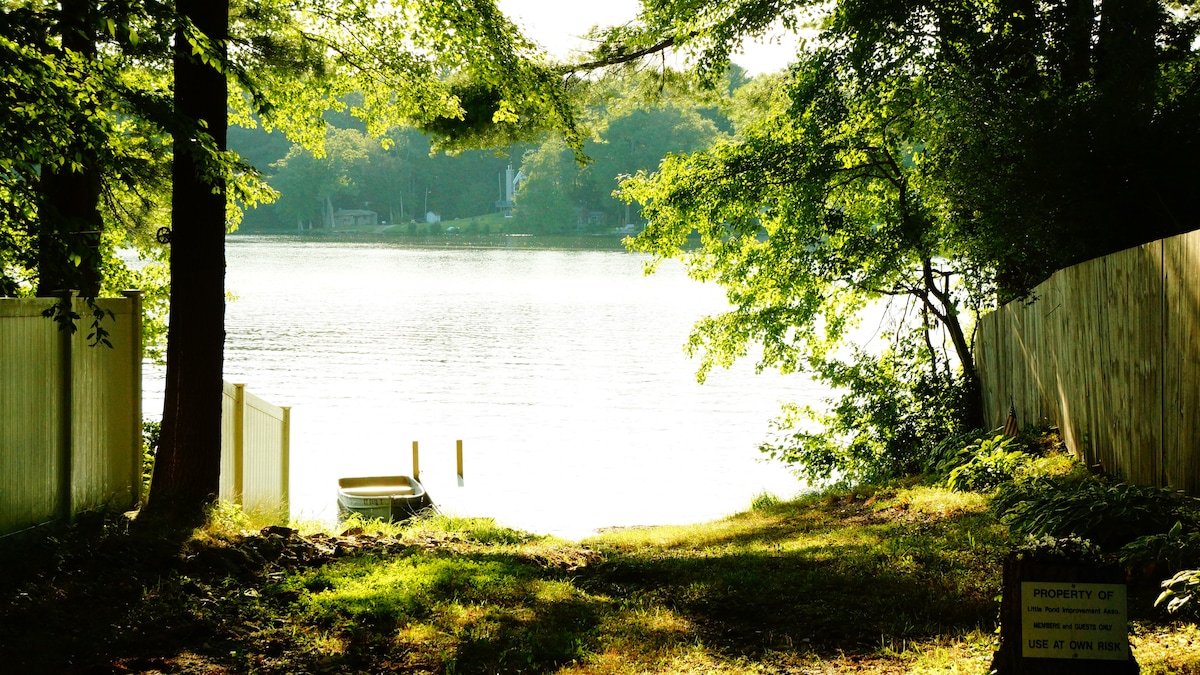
(391, 498)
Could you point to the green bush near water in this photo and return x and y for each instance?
(987, 464)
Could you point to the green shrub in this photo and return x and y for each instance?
(1169, 552)
(151, 431)
(1049, 549)
(892, 409)
(763, 501)
(1109, 513)
(988, 463)
(1179, 590)
(952, 452)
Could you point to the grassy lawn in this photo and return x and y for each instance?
(896, 580)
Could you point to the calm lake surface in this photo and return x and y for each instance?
(562, 371)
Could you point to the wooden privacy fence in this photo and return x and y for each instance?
(255, 452)
(1108, 351)
(70, 414)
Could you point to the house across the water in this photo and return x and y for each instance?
(353, 217)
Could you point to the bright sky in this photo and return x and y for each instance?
(557, 26)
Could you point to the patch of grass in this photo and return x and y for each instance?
(890, 579)
(486, 611)
(1163, 650)
(763, 501)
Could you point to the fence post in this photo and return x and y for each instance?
(239, 440)
(135, 404)
(285, 460)
(66, 422)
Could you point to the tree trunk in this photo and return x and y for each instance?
(1077, 38)
(946, 312)
(187, 470)
(68, 208)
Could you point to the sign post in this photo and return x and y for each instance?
(1063, 618)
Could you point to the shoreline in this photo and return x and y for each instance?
(589, 242)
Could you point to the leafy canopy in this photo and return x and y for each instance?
(954, 154)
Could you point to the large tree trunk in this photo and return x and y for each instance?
(68, 208)
(1077, 38)
(940, 302)
(1127, 79)
(187, 470)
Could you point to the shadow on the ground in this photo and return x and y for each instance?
(103, 599)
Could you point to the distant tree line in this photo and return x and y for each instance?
(396, 178)
(400, 177)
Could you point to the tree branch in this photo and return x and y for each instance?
(619, 58)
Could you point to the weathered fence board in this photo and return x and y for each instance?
(1179, 461)
(1108, 351)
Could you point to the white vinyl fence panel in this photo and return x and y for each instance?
(71, 421)
(255, 439)
(70, 414)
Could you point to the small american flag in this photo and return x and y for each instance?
(1010, 424)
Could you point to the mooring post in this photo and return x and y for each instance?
(416, 463)
(460, 472)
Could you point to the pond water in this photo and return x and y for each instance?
(562, 371)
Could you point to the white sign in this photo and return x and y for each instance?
(1064, 620)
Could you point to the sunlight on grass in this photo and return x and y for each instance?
(326, 643)
(443, 608)
(966, 655)
(406, 589)
(225, 519)
(690, 659)
(643, 632)
(880, 580)
(480, 530)
(939, 501)
(1162, 650)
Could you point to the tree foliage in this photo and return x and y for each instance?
(398, 176)
(952, 153)
(81, 135)
(550, 192)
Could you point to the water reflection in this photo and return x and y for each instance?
(562, 371)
